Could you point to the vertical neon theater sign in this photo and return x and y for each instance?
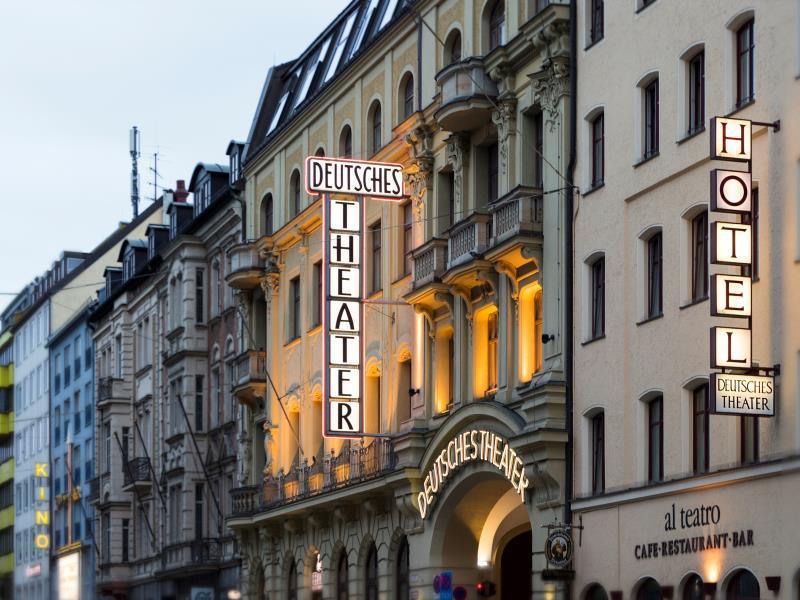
(344, 183)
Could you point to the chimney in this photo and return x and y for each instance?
(181, 194)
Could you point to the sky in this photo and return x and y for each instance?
(75, 76)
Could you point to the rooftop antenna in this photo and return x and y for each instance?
(135, 153)
(156, 176)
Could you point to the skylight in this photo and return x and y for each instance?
(278, 112)
(388, 13)
(308, 76)
(362, 26)
(340, 44)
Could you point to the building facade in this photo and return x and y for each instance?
(676, 501)
(166, 333)
(72, 452)
(464, 317)
(6, 464)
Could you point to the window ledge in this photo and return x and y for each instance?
(594, 43)
(593, 188)
(691, 134)
(401, 279)
(693, 302)
(646, 159)
(648, 319)
(314, 329)
(292, 342)
(594, 339)
(740, 107)
(143, 370)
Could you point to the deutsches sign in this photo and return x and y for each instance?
(343, 292)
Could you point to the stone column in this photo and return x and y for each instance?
(457, 155)
(505, 119)
(419, 181)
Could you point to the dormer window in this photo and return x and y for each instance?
(340, 45)
(310, 71)
(128, 265)
(206, 194)
(173, 225)
(234, 171)
(151, 246)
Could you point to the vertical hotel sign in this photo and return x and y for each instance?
(740, 389)
(344, 183)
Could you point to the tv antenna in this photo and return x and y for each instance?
(135, 153)
(156, 176)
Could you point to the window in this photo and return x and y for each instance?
(743, 586)
(346, 142)
(107, 436)
(199, 292)
(700, 429)
(77, 346)
(340, 45)
(753, 219)
(654, 276)
(452, 53)
(598, 298)
(651, 119)
(596, 592)
(748, 427)
(693, 588)
(649, 590)
(375, 257)
(655, 439)
(598, 453)
(371, 575)
(76, 411)
(317, 282)
(198, 511)
(697, 93)
(57, 426)
(497, 25)
(598, 150)
(176, 508)
(67, 366)
(88, 408)
(106, 525)
(125, 539)
(408, 237)
(596, 33)
(402, 586)
(266, 215)
(310, 71)
(366, 17)
(700, 256)
(375, 127)
(492, 172)
(294, 308)
(215, 398)
(745, 64)
(341, 578)
(199, 381)
(294, 191)
(216, 281)
(492, 348)
(407, 96)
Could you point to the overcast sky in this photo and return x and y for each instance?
(75, 76)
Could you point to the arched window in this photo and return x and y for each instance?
(649, 590)
(452, 49)
(497, 25)
(320, 151)
(341, 577)
(291, 584)
(743, 586)
(406, 103)
(375, 127)
(371, 574)
(266, 215)
(294, 191)
(693, 588)
(402, 573)
(596, 592)
(346, 142)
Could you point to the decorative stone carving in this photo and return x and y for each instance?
(457, 153)
(266, 427)
(420, 180)
(549, 86)
(505, 119)
(419, 175)
(245, 457)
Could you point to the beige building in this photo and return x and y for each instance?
(674, 501)
(167, 433)
(464, 315)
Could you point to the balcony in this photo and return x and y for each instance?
(467, 239)
(352, 466)
(516, 224)
(193, 554)
(94, 490)
(466, 92)
(247, 267)
(430, 262)
(137, 474)
(251, 376)
(109, 388)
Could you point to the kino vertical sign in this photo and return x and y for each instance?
(741, 392)
(344, 183)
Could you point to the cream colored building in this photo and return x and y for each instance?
(465, 280)
(657, 479)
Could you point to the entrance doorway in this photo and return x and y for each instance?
(515, 567)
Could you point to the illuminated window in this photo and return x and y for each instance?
(492, 335)
(655, 276)
(745, 63)
(403, 395)
(655, 439)
(700, 256)
(530, 345)
(700, 428)
(497, 25)
(598, 453)
(697, 93)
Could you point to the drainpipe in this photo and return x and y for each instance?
(569, 252)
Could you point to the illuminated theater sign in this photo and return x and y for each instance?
(469, 446)
(343, 319)
(743, 390)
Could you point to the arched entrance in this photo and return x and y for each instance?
(514, 561)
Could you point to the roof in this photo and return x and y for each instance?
(208, 168)
(292, 86)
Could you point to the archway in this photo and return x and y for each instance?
(514, 561)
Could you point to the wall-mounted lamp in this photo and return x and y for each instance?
(774, 584)
(413, 391)
(547, 337)
(709, 588)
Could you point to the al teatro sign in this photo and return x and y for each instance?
(343, 184)
(742, 388)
